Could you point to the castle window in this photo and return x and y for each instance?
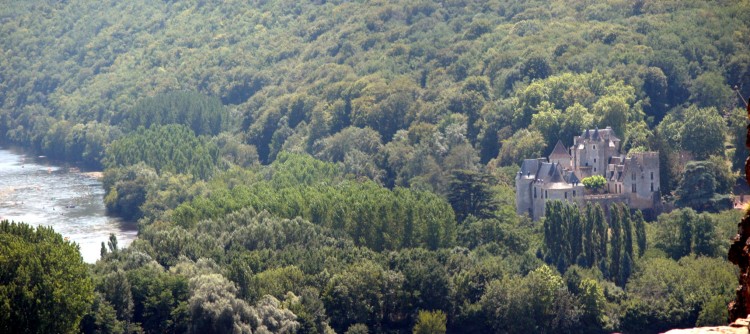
(534, 192)
(652, 186)
(574, 193)
(633, 187)
(594, 160)
(632, 177)
(594, 146)
(594, 169)
(652, 175)
(566, 195)
(546, 195)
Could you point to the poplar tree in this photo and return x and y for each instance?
(588, 235)
(575, 234)
(627, 230)
(616, 241)
(640, 232)
(600, 227)
(686, 231)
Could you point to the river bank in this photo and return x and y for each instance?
(42, 192)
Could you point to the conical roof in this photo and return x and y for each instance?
(559, 151)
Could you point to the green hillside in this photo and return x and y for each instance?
(304, 166)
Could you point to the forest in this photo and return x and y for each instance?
(332, 166)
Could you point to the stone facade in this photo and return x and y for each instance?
(633, 179)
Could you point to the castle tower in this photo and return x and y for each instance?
(524, 180)
(592, 151)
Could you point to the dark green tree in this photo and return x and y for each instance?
(44, 287)
(615, 254)
(627, 231)
(703, 132)
(640, 232)
(704, 238)
(470, 194)
(203, 114)
(698, 188)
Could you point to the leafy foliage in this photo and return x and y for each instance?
(44, 286)
(703, 186)
(180, 101)
(595, 182)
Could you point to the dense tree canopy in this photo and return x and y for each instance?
(335, 165)
(44, 285)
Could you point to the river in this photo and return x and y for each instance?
(38, 192)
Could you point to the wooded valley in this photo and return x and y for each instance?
(349, 166)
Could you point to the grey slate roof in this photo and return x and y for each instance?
(529, 167)
(571, 178)
(600, 134)
(550, 173)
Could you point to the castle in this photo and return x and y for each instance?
(632, 179)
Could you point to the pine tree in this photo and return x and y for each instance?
(470, 194)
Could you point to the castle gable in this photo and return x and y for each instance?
(559, 152)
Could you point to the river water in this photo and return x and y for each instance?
(37, 192)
